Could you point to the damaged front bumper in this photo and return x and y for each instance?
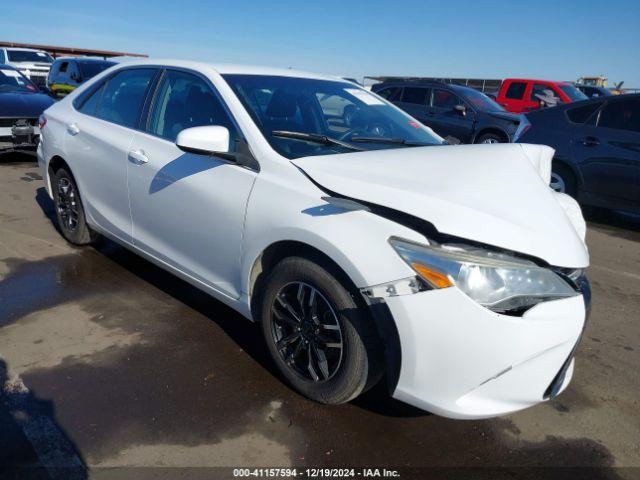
(461, 360)
(19, 134)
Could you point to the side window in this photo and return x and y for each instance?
(415, 95)
(73, 72)
(445, 99)
(544, 93)
(621, 115)
(62, 70)
(123, 96)
(582, 114)
(391, 93)
(516, 90)
(91, 104)
(183, 101)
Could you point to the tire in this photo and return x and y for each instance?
(563, 180)
(345, 372)
(490, 138)
(69, 210)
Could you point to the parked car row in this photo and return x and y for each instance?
(33, 64)
(452, 110)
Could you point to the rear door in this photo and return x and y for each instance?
(188, 209)
(512, 95)
(608, 153)
(415, 101)
(98, 137)
(446, 120)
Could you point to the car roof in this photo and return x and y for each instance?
(84, 59)
(224, 68)
(25, 49)
(555, 82)
(426, 84)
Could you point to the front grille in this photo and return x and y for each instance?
(39, 80)
(10, 122)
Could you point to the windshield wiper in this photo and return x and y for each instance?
(315, 138)
(390, 140)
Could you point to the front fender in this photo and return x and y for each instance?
(355, 240)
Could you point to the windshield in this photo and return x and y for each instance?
(480, 101)
(12, 82)
(573, 93)
(91, 69)
(29, 56)
(302, 110)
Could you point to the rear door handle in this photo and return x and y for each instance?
(137, 157)
(590, 141)
(73, 129)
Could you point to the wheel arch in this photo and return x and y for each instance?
(559, 160)
(378, 310)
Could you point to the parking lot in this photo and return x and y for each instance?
(108, 361)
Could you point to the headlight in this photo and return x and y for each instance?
(498, 281)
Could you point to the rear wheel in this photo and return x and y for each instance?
(69, 211)
(321, 340)
(563, 180)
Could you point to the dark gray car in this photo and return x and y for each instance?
(452, 110)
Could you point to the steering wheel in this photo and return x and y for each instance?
(374, 129)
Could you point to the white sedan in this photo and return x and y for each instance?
(367, 248)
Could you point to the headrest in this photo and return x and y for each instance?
(282, 105)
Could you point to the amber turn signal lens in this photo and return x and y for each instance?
(435, 278)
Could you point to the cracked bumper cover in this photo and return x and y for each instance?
(461, 360)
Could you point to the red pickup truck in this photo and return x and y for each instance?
(521, 95)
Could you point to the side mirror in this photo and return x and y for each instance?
(205, 140)
(461, 109)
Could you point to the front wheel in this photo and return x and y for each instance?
(563, 180)
(490, 138)
(323, 343)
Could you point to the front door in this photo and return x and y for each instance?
(188, 209)
(447, 119)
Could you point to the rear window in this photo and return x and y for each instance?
(572, 92)
(621, 115)
(415, 95)
(582, 114)
(516, 90)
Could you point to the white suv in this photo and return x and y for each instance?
(33, 64)
(364, 245)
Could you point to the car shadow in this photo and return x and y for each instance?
(32, 444)
(181, 167)
(620, 224)
(245, 334)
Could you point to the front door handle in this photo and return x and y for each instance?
(73, 129)
(590, 141)
(137, 157)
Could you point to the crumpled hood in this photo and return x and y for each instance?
(497, 194)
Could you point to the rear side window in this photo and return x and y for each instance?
(91, 103)
(415, 95)
(582, 114)
(391, 93)
(621, 115)
(183, 101)
(63, 67)
(124, 95)
(516, 90)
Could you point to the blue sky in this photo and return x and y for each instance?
(557, 40)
